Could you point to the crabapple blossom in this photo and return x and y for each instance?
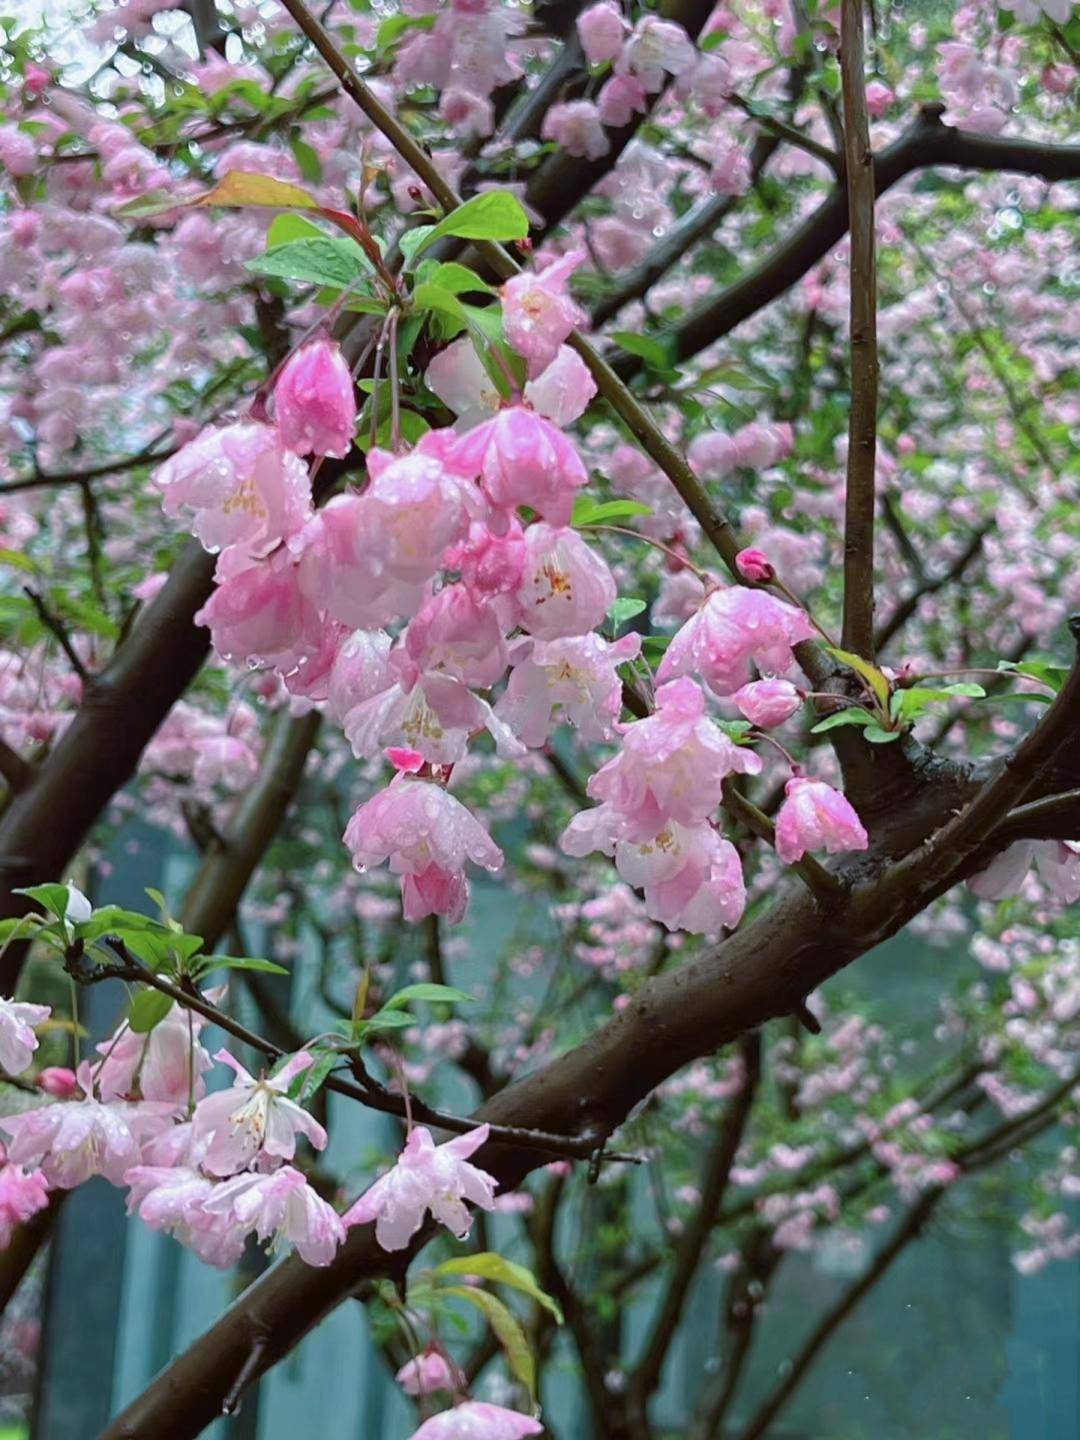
(656, 49)
(672, 765)
(239, 489)
(754, 565)
(169, 1199)
(477, 1420)
(576, 126)
(428, 1373)
(814, 816)
(57, 1081)
(601, 29)
(621, 97)
(427, 836)
(314, 400)
(74, 1139)
(282, 1206)
(539, 312)
(566, 588)
(768, 702)
(254, 1120)
(521, 459)
(426, 1177)
(1057, 861)
(17, 1039)
(575, 679)
(22, 1194)
(167, 1064)
(261, 615)
(734, 628)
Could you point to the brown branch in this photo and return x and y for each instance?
(860, 500)
(16, 771)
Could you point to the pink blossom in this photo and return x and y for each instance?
(254, 1119)
(522, 459)
(170, 1199)
(768, 702)
(22, 1194)
(562, 393)
(18, 153)
(1057, 861)
(671, 766)
(427, 836)
(261, 616)
(74, 1139)
(731, 173)
(454, 632)
(359, 671)
(566, 587)
(575, 126)
(814, 816)
(601, 29)
(17, 1039)
(476, 1420)
(57, 1081)
(657, 48)
(240, 489)
(577, 676)
(469, 116)
(539, 312)
(167, 1064)
(878, 98)
(428, 1373)
(621, 98)
(733, 628)
(315, 402)
(691, 877)
(426, 1177)
(754, 565)
(281, 1205)
(458, 376)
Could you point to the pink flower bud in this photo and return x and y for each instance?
(768, 702)
(315, 400)
(59, 1081)
(754, 565)
(428, 1373)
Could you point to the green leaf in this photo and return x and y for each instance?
(736, 730)
(624, 609)
(53, 898)
(877, 736)
(588, 511)
(385, 1020)
(241, 962)
(148, 1009)
(854, 715)
(1046, 672)
(18, 561)
(878, 683)
(654, 647)
(433, 297)
(458, 279)
(310, 1081)
(307, 161)
(494, 215)
(489, 1266)
(317, 260)
(411, 242)
(508, 1332)
(654, 352)
(286, 228)
(427, 991)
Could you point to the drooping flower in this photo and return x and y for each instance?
(621, 98)
(566, 587)
(522, 459)
(74, 1139)
(260, 616)
(428, 1373)
(17, 1039)
(601, 29)
(656, 49)
(575, 125)
(427, 835)
(539, 312)
(561, 393)
(1057, 861)
(733, 628)
(254, 1119)
(456, 634)
(167, 1064)
(240, 489)
(671, 766)
(314, 400)
(768, 702)
(169, 1199)
(576, 679)
(477, 1420)
(426, 1177)
(22, 1194)
(282, 1206)
(814, 816)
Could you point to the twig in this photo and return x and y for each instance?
(859, 506)
(56, 627)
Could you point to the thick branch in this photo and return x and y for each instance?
(860, 498)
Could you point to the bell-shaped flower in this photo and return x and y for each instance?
(420, 504)
(672, 764)
(454, 633)
(254, 1120)
(74, 1139)
(238, 487)
(656, 49)
(260, 616)
(427, 836)
(315, 402)
(17, 1039)
(341, 569)
(733, 628)
(768, 702)
(427, 1177)
(575, 679)
(522, 459)
(281, 1206)
(429, 1373)
(22, 1194)
(814, 816)
(169, 1199)
(1057, 861)
(601, 30)
(166, 1064)
(561, 393)
(539, 312)
(566, 588)
(359, 671)
(477, 1420)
